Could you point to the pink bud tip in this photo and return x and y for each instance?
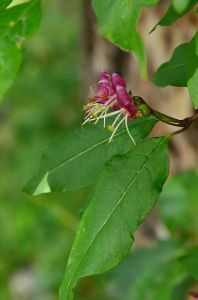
(117, 80)
(104, 75)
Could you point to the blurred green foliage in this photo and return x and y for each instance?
(179, 207)
(36, 233)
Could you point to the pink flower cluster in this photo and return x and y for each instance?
(113, 88)
(111, 99)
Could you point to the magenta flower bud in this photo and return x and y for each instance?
(117, 80)
(111, 100)
(105, 87)
(102, 93)
(105, 75)
(125, 101)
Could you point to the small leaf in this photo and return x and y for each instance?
(117, 21)
(20, 21)
(175, 11)
(10, 59)
(75, 160)
(181, 69)
(125, 193)
(190, 263)
(174, 72)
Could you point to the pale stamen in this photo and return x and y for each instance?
(105, 114)
(117, 118)
(91, 90)
(95, 110)
(109, 115)
(102, 117)
(127, 128)
(116, 128)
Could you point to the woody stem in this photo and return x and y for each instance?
(184, 123)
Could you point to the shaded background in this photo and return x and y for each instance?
(46, 100)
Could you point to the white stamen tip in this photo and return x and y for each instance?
(127, 128)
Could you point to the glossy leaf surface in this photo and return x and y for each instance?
(181, 69)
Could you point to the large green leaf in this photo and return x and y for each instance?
(20, 21)
(75, 159)
(190, 263)
(150, 273)
(175, 11)
(10, 59)
(117, 21)
(125, 193)
(181, 69)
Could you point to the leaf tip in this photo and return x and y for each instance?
(43, 187)
(153, 29)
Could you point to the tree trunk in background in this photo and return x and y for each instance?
(102, 55)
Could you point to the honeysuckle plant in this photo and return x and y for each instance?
(111, 151)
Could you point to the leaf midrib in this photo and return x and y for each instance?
(113, 210)
(83, 152)
(173, 67)
(89, 149)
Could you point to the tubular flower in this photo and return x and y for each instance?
(111, 99)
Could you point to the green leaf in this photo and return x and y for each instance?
(193, 88)
(125, 193)
(117, 21)
(10, 59)
(16, 23)
(4, 4)
(150, 273)
(76, 159)
(181, 5)
(190, 263)
(20, 21)
(176, 10)
(181, 69)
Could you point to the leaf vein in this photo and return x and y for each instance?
(113, 210)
